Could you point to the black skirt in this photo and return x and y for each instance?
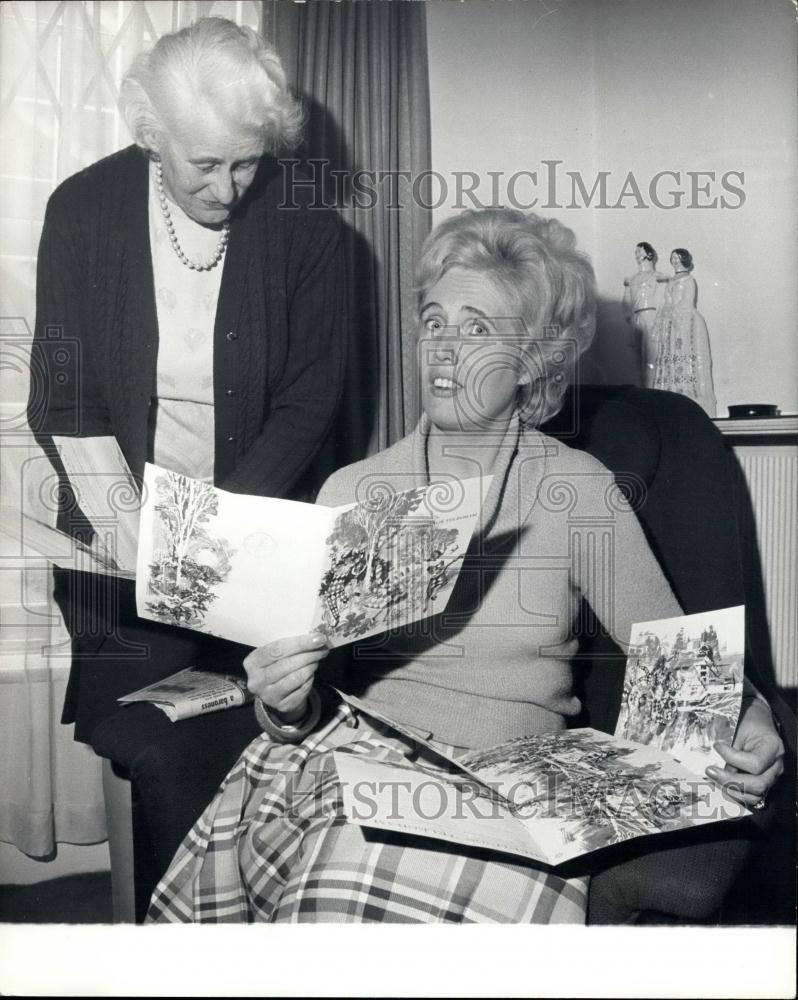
(114, 652)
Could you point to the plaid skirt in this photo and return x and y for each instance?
(274, 845)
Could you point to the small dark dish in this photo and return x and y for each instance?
(742, 411)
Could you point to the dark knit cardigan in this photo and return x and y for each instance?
(279, 339)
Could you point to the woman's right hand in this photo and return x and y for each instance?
(281, 673)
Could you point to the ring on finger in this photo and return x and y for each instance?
(759, 804)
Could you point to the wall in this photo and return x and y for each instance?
(640, 86)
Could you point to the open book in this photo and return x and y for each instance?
(254, 569)
(556, 796)
(192, 692)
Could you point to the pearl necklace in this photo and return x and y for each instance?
(221, 246)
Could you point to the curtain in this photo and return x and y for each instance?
(60, 68)
(361, 69)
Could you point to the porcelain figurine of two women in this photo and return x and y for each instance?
(674, 344)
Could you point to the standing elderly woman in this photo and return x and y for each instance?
(202, 304)
(505, 303)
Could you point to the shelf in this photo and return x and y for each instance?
(759, 427)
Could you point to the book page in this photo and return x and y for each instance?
(394, 559)
(192, 692)
(684, 685)
(241, 567)
(106, 493)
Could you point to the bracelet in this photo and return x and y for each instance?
(289, 732)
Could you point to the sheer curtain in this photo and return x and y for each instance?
(362, 71)
(60, 68)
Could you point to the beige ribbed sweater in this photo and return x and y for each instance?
(496, 663)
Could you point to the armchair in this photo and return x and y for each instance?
(670, 459)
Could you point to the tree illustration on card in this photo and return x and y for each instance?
(386, 557)
(189, 561)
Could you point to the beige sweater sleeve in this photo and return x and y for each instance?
(613, 565)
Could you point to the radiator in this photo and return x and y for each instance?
(767, 452)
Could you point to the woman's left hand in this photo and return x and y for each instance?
(754, 761)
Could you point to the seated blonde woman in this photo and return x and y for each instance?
(505, 300)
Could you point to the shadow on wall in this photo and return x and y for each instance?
(614, 356)
(354, 429)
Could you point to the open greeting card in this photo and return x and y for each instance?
(254, 569)
(108, 497)
(555, 796)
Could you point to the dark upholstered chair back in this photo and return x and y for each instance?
(671, 462)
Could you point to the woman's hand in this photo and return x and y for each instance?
(281, 673)
(754, 761)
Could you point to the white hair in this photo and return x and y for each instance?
(214, 64)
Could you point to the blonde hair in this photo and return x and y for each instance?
(217, 64)
(549, 283)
